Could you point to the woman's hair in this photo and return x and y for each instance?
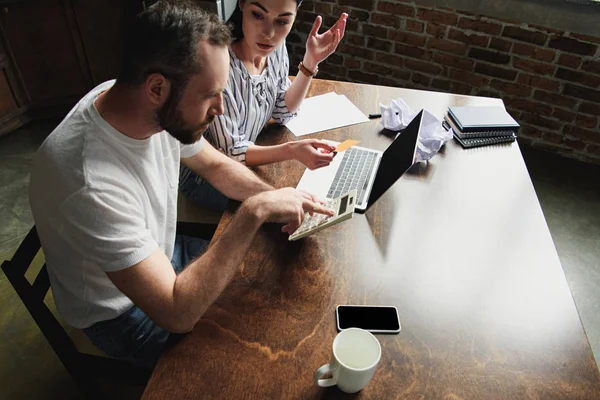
(235, 21)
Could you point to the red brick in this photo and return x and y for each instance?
(352, 63)
(439, 31)
(454, 61)
(491, 70)
(500, 44)
(476, 40)
(468, 77)
(582, 93)
(364, 4)
(374, 30)
(524, 35)
(378, 44)
(543, 122)
(335, 58)
(544, 54)
(359, 76)
(589, 108)
(586, 38)
(322, 8)
(354, 16)
(440, 17)
(308, 5)
(538, 82)
(583, 134)
(552, 137)
(528, 106)
(407, 38)
(563, 115)
(511, 88)
(523, 49)
(411, 51)
(388, 82)
(447, 46)
(441, 84)
(480, 26)
(591, 66)
(578, 77)
(389, 59)
(414, 26)
(335, 70)
(530, 131)
(574, 144)
(401, 74)
(586, 122)
(421, 79)
(396, 9)
(385, 19)
(533, 66)
(489, 56)
(423, 66)
(351, 38)
(569, 60)
(357, 51)
(593, 149)
(378, 69)
(554, 99)
(571, 45)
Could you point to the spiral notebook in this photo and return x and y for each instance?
(481, 121)
(476, 134)
(468, 143)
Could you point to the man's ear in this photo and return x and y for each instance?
(157, 89)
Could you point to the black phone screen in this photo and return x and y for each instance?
(370, 318)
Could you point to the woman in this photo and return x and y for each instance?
(259, 89)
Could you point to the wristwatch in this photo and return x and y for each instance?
(307, 71)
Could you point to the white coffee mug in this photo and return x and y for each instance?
(356, 354)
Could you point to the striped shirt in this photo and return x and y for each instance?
(249, 101)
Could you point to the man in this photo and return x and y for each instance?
(104, 189)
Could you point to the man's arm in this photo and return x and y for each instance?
(228, 176)
(176, 302)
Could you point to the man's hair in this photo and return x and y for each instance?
(164, 40)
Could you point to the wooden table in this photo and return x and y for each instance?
(459, 245)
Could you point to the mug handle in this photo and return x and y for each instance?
(325, 369)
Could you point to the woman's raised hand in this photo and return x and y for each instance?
(321, 46)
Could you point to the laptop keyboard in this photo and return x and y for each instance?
(354, 170)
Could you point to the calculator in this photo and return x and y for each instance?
(343, 207)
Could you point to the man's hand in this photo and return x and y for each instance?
(286, 206)
(312, 152)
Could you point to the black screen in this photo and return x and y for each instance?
(396, 159)
(370, 318)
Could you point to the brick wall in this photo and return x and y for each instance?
(549, 79)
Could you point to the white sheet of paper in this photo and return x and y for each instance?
(324, 112)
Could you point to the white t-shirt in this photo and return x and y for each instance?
(101, 202)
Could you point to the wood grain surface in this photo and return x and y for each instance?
(459, 245)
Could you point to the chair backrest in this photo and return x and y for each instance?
(82, 367)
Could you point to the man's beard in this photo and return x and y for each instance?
(170, 118)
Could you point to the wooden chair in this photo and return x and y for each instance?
(80, 357)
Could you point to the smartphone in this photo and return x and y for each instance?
(375, 319)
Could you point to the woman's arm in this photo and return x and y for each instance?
(318, 48)
(311, 152)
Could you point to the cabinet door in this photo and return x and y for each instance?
(103, 26)
(38, 34)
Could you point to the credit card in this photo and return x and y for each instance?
(346, 145)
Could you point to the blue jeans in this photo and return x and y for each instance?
(203, 193)
(133, 336)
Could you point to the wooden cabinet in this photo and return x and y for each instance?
(54, 51)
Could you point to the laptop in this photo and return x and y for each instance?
(370, 172)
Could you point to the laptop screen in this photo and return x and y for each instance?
(396, 159)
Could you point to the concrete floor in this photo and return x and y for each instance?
(569, 192)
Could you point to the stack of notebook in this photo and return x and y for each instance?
(481, 126)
